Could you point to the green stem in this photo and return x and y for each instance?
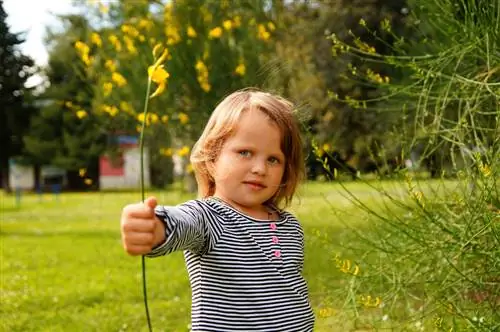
(141, 147)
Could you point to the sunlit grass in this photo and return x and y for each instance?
(63, 267)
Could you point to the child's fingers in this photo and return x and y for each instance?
(139, 225)
(135, 250)
(139, 239)
(150, 202)
(139, 210)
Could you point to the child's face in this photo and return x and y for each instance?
(250, 166)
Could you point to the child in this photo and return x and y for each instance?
(244, 254)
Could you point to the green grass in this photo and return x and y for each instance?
(63, 267)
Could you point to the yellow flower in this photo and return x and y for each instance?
(166, 151)
(326, 147)
(172, 34)
(183, 152)
(240, 69)
(118, 79)
(183, 118)
(96, 39)
(215, 33)
(326, 312)
(110, 65)
(145, 24)
(368, 301)
(82, 172)
(164, 118)
(88, 181)
(263, 33)
(111, 110)
(227, 24)
(271, 26)
(82, 47)
(107, 88)
(205, 86)
(129, 43)
(154, 117)
(115, 42)
(81, 114)
(191, 32)
(126, 107)
(485, 169)
(158, 74)
(140, 117)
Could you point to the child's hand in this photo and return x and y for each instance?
(141, 229)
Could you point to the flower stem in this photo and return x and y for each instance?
(141, 147)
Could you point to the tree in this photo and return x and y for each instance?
(65, 133)
(16, 100)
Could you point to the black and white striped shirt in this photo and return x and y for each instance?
(245, 273)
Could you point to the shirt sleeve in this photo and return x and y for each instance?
(186, 228)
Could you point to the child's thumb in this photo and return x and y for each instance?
(150, 202)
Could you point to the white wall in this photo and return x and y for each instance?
(21, 177)
(132, 172)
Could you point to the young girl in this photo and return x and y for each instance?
(244, 254)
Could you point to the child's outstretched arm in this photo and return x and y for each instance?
(141, 229)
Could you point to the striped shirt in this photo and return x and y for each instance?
(245, 273)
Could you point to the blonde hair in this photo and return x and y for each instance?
(223, 123)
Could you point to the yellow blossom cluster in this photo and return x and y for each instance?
(118, 79)
(151, 118)
(364, 46)
(96, 39)
(215, 33)
(82, 172)
(83, 51)
(183, 118)
(107, 88)
(202, 70)
(184, 151)
(240, 69)
(145, 24)
(79, 112)
(263, 32)
(345, 266)
(172, 34)
(129, 45)
(166, 152)
(110, 109)
(370, 302)
(110, 65)
(326, 312)
(127, 108)
(191, 32)
(117, 44)
(376, 77)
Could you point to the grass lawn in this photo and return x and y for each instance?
(63, 267)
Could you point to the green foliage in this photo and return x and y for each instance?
(451, 117)
(79, 278)
(15, 98)
(57, 135)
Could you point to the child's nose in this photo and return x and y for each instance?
(259, 167)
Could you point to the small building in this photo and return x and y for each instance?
(124, 170)
(23, 177)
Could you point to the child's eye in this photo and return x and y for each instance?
(244, 153)
(274, 160)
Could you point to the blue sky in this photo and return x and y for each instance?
(31, 17)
